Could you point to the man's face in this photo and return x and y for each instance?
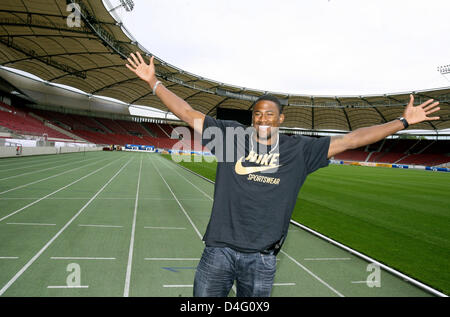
(266, 119)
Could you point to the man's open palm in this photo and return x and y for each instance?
(138, 66)
(415, 114)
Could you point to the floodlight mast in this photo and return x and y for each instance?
(127, 4)
(445, 69)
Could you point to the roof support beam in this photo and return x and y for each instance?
(345, 113)
(375, 108)
(87, 70)
(56, 55)
(78, 37)
(193, 95)
(58, 28)
(122, 82)
(44, 15)
(48, 61)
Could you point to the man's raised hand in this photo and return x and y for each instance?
(415, 114)
(143, 70)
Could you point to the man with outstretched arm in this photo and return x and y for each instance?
(257, 186)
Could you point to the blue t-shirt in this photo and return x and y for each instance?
(256, 187)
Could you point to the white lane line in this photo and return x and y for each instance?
(312, 274)
(209, 197)
(31, 224)
(358, 282)
(101, 198)
(45, 169)
(79, 258)
(166, 228)
(34, 159)
(66, 286)
(327, 259)
(49, 177)
(172, 259)
(28, 166)
(31, 160)
(37, 255)
(179, 286)
(101, 226)
(33, 165)
(284, 284)
(198, 233)
(133, 229)
(179, 204)
(54, 192)
(8, 257)
(52, 198)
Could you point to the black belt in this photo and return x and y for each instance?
(275, 248)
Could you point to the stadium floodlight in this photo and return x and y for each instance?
(127, 4)
(444, 69)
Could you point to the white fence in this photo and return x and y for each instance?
(8, 148)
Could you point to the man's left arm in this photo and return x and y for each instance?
(364, 136)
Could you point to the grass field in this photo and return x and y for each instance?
(399, 217)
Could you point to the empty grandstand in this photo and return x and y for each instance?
(58, 126)
(402, 151)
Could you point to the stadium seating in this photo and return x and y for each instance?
(158, 131)
(133, 127)
(120, 132)
(93, 129)
(386, 157)
(352, 155)
(424, 159)
(401, 151)
(21, 122)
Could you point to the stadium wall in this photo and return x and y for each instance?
(10, 151)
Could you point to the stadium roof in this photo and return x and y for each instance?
(46, 39)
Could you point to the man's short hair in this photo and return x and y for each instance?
(269, 98)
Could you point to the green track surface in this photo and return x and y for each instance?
(130, 224)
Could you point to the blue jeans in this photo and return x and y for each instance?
(220, 267)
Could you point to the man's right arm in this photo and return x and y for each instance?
(176, 105)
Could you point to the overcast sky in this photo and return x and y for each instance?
(326, 47)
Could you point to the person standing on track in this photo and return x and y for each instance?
(259, 176)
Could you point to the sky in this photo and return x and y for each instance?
(316, 47)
